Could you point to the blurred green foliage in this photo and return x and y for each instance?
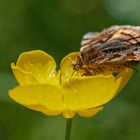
(57, 27)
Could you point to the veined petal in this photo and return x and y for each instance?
(37, 64)
(89, 92)
(90, 112)
(45, 95)
(66, 66)
(23, 77)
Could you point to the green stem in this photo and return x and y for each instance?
(68, 129)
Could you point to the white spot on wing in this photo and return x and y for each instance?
(88, 36)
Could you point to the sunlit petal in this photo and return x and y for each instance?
(45, 95)
(23, 77)
(39, 64)
(89, 92)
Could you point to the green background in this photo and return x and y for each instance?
(57, 26)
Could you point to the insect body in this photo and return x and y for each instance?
(109, 51)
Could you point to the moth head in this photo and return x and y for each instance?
(78, 64)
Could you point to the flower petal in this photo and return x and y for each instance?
(90, 112)
(66, 66)
(125, 75)
(43, 109)
(23, 77)
(45, 95)
(37, 64)
(89, 92)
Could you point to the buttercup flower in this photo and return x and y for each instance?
(66, 92)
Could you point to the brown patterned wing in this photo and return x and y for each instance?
(117, 43)
(123, 45)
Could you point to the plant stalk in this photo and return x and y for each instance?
(68, 129)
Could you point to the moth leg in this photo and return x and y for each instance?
(89, 72)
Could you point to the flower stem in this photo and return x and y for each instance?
(68, 129)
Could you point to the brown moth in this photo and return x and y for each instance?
(111, 50)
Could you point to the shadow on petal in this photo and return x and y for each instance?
(68, 114)
(90, 112)
(43, 110)
(125, 76)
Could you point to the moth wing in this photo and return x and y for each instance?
(87, 38)
(132, 54)
(124, 45)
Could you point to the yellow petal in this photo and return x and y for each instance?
(89, 92)
(66, 66)
(90, 112)
(45, 95)
(38, 64)
(23, 77)
(43, 109)
(125, 76)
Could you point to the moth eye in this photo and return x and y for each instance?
(136, 49)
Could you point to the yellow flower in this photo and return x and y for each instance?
(43, 89)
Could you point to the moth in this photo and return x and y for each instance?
(111, 50)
